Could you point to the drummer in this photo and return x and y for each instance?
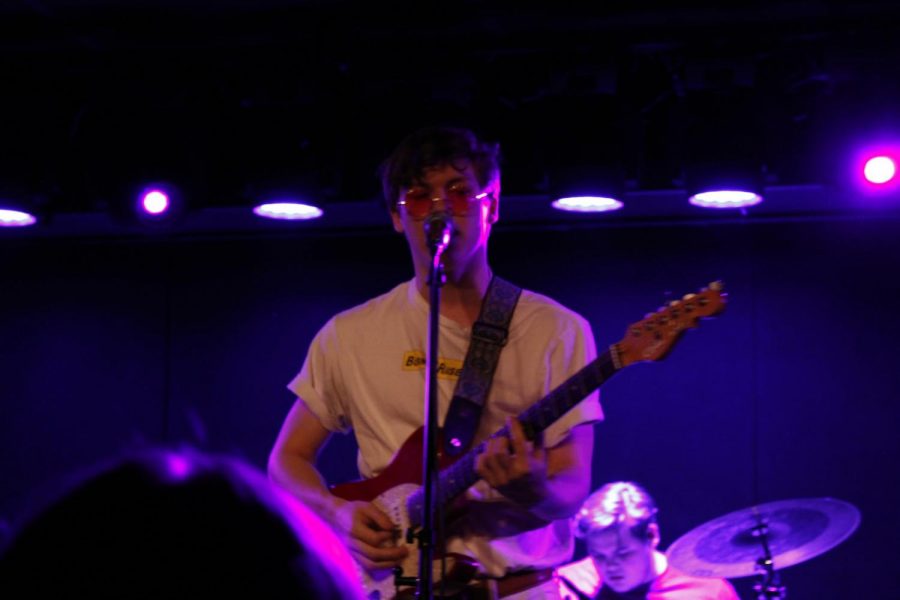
(618, 525)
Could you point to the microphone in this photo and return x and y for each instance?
(438, 231)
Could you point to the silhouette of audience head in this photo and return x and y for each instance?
(176, 523)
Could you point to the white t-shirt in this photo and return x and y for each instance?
(365, 371)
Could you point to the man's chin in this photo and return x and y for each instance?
(451, 264)
(618, 585)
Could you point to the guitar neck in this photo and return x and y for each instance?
(459, 477)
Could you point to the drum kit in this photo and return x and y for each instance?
(761, 539)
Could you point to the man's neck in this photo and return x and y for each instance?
(461, 297)
(660, 563)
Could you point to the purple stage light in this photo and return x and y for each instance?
(290, 211)
(873, 168)
(587, 204)
(155, 202)
(16, 218)
(725, 199)
(880, 170)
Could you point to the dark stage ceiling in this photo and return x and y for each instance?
(230, 98)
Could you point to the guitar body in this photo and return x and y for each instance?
(405, 468)
(390, 491)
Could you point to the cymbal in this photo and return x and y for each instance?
(796, 530)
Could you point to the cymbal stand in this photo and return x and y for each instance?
(769, 586)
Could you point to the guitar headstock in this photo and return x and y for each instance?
(653, 337)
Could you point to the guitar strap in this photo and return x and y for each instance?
(489, 335)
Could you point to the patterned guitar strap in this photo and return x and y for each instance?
(489, 335)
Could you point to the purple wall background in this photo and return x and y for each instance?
(792, 393)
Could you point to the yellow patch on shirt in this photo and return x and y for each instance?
(448, 368)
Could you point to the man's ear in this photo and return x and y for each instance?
(653, 534)
(395, 218)
(494, 208)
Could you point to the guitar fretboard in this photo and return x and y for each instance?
(460, 476)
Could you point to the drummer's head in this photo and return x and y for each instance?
(618, 525)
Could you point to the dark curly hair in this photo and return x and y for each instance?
(435, 147)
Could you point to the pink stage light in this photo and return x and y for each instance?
(880, 170)
(873, 170)
(154, 202)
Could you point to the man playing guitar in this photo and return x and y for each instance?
(365, 371)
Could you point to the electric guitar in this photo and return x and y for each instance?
(398, 489)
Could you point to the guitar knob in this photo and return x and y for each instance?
(689, 296)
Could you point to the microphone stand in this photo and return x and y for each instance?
(769, 587)
(436, 278)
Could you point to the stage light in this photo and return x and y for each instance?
(880, 170)
(725, 199)
(587, 204)
(871, 169)
(157, 202)
(286, 198)
(18, 208)
(724, 184)
(16, 218)
(587, 188)
(288, 210)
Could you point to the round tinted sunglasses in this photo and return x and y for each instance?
(459, 201)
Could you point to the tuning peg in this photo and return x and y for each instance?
(689, 296)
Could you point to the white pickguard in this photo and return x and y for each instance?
(379, 584)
